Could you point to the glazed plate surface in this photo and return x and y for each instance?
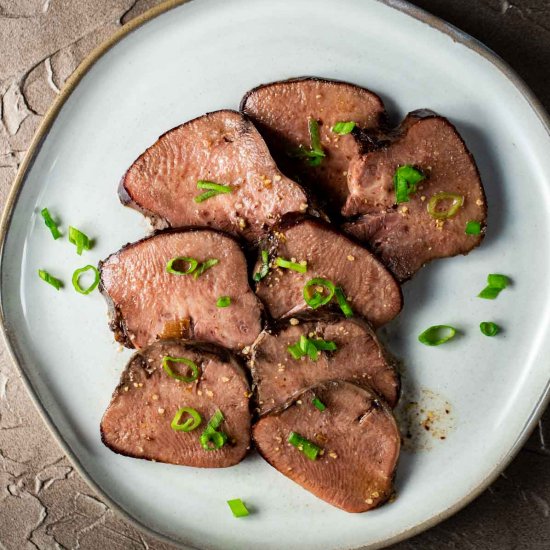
(202, 56)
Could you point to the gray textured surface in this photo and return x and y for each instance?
(43, 502)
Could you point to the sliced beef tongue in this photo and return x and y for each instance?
(221, 147)
(371, 290)
(358, 438)
(281, 111)
(138, 420)
(148, 303)
(358, 358)
(406, 236)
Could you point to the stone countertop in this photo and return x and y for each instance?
(43, 501)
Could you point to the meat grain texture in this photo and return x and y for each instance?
(359, 358)
(372, 291)
(222, 147)
(281, 111)
(146, 300)
(357, 434)
(137, 421)
(405, 236)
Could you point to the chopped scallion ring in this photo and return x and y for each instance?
(211, 439)
(176, 266)
(343, 302)
(50, 279)
(195, 371)
(405, 181)
(205, 266)
(495, 284)
(50, 223)
(315, 155)
(311, 347)
(79, 239)
(213, 189)
(456, 203)
(343, 128)
(437, 335)
(321, 293)
(496, 280)
(473, 228)
(76, 279)
(264, 269)
(318, 404)
(223, 301)
(489, 328)
(299, 267)
(190, 424)
(238, 508)
(304, 445)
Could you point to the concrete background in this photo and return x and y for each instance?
(43, 502)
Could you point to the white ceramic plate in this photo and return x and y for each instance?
(203, 56)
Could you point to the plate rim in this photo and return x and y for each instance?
(72, 82)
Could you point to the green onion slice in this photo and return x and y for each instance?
(343, 128)
(205, 266)
(50, 223)
(489, 293)
(195, 371)
(177, 265)
(437, 335)
(318, 404)
(321, 293)
(79, 239)
(473, 228)
(315, 155)
(205, 196)
(76, 279)
(287, 264)
(311, 347)
(264, 269)
(343, 302)
(489, 328)
(324, 345)
(296, 351)
(211, 439)
(315, 137)
(405, 181)
(213, 189)
(238, 508)
(304, 445)
(223, 301)
(307, 346)
(456, 202)
(495, 283)
(190, 424)
(50, 279)
(496, 280)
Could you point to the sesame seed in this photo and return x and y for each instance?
(332, 454)
(369, 500)
(210, 393)
(277, 178)
(351, 258)
(224, 379)
(154, 397)
(479, 202)
(160, 410)
(293, 321)
(126, 388)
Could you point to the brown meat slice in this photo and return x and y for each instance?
(370, 288)
(359, 358)
(148, 303)
(138, 420)
(222, 147)
(281, 110)
(405, 236)
(359, 438)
